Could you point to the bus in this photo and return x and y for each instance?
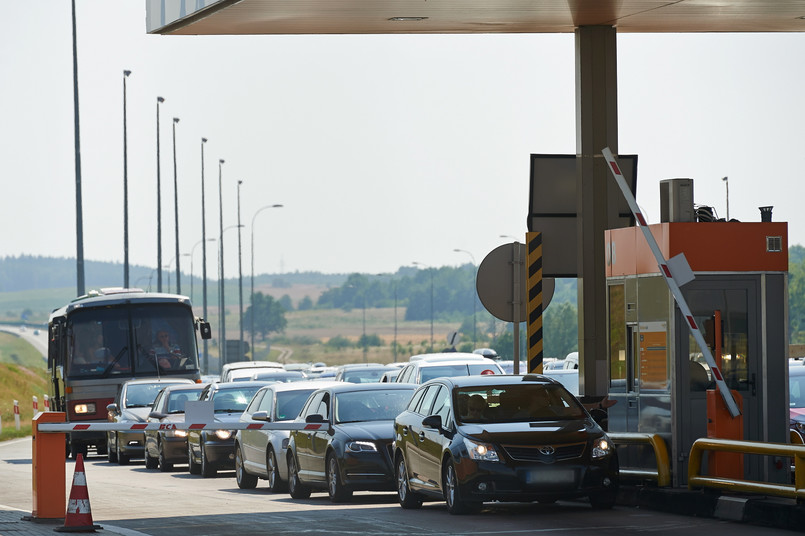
(109, 336)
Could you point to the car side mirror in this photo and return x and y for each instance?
(206, 331)
(260, 416)
(156, 415)
(112, 408)
(315, 419)
(433, 421)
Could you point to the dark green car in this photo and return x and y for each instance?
(471, 439)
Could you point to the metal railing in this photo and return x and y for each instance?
(791, 491)
(662, 475)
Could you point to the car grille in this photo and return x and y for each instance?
(533, 454)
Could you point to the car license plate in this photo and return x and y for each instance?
(558, 477)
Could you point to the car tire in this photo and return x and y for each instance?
(295, 486)
(456, 504)
(275, 482)
(111, 453)
(192, 466)
(408, 499)
(208, 469)
(150, 461)
(335, 486)
(122, 459)
(164, 464)
(244, 479)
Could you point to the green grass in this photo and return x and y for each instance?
(23, 375)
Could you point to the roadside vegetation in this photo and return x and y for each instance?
(23, 375)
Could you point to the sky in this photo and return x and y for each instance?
(384, 150)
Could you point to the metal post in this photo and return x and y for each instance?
(79, 210)
(727, 184)
(159, 206)
(251, 296)
(125, 190)
(204, 257)
(221, 298)
(176, 210)
(240, 282)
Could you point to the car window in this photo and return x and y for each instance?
(404, 374)
(289, 404)
(427, 400)
(142, 395)
(312, 405)
(443, 371)
(233, 400)
(796, 390)
(517, 403)
(480, 368)
(375, 405)
(324, 407)
(256, 403)
(416, 399)
(178, 399)
(158, 400)
(441, 404)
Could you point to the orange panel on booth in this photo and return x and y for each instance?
(721, 425)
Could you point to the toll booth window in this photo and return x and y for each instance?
(727, 337)
(617, 339)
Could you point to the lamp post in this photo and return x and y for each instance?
(204, 256)
(79, 211)
(160, 100)
(473, 295)
(240, 280)
(192, 251)
(415, 263)
(126, 74)
(251, 296)
(727, 184)
(222, 297)
(176, 210)
(221, 304)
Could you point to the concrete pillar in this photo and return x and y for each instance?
(596, 128)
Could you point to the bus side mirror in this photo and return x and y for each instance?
(206, 331)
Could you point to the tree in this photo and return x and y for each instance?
(305, 304)
(286, 302)
(561, 329)
(269, 315)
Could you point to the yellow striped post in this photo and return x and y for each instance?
(534, 306)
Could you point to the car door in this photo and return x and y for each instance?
(433, 441)
(253, 442)
(303, 439)
(416, 431)
(320, 440)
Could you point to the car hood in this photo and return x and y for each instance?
(528, 433)
(367, 430)
(135, 414)
(227, 417)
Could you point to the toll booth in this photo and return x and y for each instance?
(658, 377)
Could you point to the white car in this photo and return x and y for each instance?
(263, 453)
(228, 370)
(430, 366)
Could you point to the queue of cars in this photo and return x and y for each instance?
(452, 427)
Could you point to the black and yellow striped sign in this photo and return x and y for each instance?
(534, 305)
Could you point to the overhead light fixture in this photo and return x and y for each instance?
(409, 19)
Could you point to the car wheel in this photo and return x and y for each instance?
(122, 458)
(111, 453)
(164, 465)
(295, 487)
(275, 483)
(150, 461)
(244, 479)
(192, 466)
(452, 494)
(335, 487)
(208, 469)
(408, 499)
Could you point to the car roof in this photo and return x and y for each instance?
(236, 385)
(166, 381)
(300, 386)
(494, 379)
(446, 356)
(184, 387)
(249, 364)
(346, 387)
(458, 361)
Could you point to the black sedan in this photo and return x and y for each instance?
(466, 440)
(168, 446)
(351, 450)
(211, 450)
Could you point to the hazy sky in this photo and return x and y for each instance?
(383, 149)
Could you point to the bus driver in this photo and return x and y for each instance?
(167, 354)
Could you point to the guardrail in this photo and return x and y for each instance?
(790, 491)
(662, 475)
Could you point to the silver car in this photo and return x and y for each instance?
(262, 453)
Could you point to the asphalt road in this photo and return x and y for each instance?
(132, 501)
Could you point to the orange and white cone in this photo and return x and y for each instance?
(79, 516)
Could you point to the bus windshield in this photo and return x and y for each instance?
(148, 339)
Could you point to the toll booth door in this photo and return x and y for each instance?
(736, 302)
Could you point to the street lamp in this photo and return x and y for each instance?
(159, 206)
(727, 184)
(430, 268)
(176, 210)
(221, 304)
(79, 210)
(126, 74)
(473, 294)
(204, 255)
(240, 280)
(193, 250)
(251, 299)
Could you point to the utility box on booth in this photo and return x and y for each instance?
(658, 377)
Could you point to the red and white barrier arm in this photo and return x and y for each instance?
(672, 284)
(126, 427)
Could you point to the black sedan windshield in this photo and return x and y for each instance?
(516, 403)
(359, 406)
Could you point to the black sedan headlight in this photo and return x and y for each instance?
(223, 435)
(481, 451)
(361, 446)
(602, 447)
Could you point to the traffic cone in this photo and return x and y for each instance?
(79, 516)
